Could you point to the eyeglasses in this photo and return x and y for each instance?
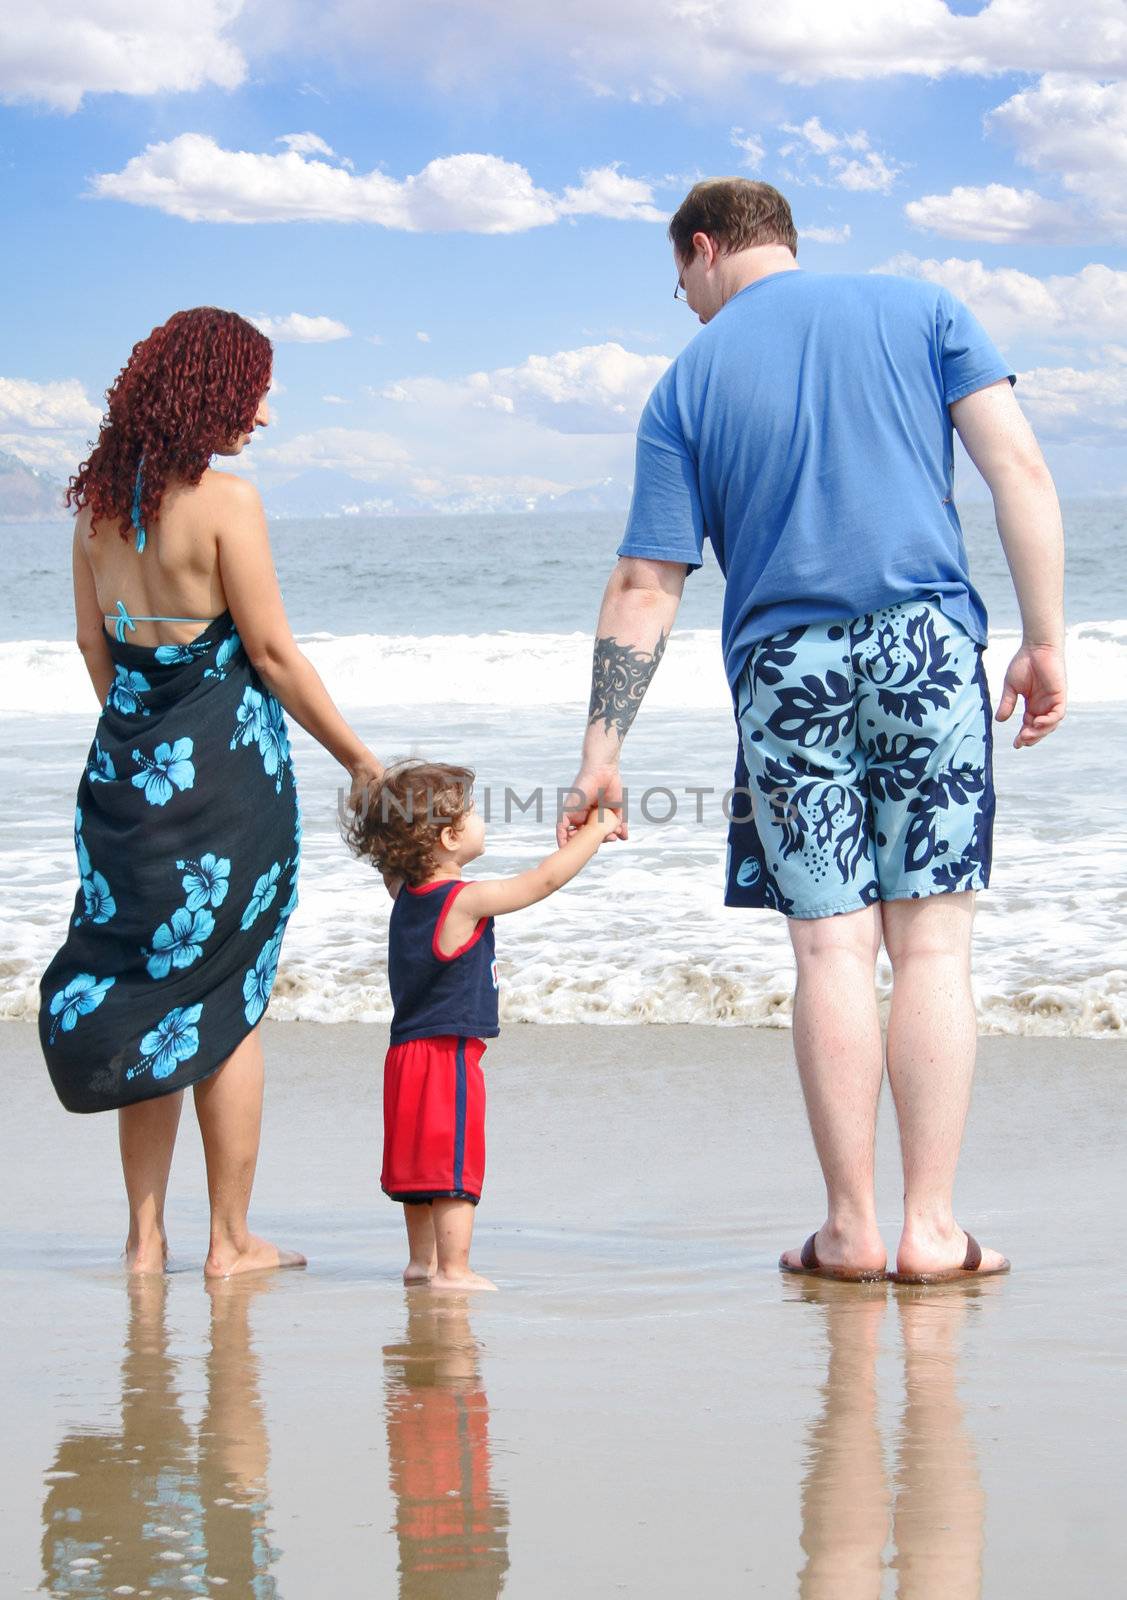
(679, 292)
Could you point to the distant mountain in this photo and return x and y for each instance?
(321, 492)
(27, 495)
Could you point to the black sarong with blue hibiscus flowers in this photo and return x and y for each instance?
(188, 837)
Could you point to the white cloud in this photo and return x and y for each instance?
(366, 455)
(334, 400)
(825, 235)
(1080, 405)
(996, 214)
(195, 178)
(1080, 307)
(594, 389)
(754, 151)
(1077, 131)
(56, 52)
(306, 144)
(651, 50)
(300, 329)
(423, 338)
(862, 168)
(63, 404)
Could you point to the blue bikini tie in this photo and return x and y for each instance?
(135, 515)
(124, 620)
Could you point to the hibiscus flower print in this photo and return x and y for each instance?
(125, 694)
(169, 769)
(260, 979)
(101, 767)
(81, 996)
(174, 1039)
(100, 904)
(223, 657)
(205, 881)
(180, 942)
(249, 719)
(263, 895)
(176, 655)
(273, 741)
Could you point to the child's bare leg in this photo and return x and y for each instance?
(453, 1230)
(420, 1244)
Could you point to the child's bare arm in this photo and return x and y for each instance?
(493, 897)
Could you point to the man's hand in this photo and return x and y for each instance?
(584, 793)
(1037, 674)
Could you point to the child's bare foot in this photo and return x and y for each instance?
(254, 1255)
(418, 1272)
(460, 1279)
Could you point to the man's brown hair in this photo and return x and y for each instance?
(399, 820)
(737, 213)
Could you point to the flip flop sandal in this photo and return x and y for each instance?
(812, 1268)
(971, 1268)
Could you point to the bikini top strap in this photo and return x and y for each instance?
(135, 514)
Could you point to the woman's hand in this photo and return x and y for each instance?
(366, 773)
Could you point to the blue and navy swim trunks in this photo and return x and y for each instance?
(864, 768)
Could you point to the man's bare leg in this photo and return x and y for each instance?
(837, 1043)
(146, 1135)
(932, 1036)
(423, 1255)
(453, 1231)
(229, 1108)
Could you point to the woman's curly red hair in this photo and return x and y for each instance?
(187, 391)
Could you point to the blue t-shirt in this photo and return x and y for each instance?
(805, 431)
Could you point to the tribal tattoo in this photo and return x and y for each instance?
(620, 676)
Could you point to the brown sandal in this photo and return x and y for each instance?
(812, 1268)
(971, 1268)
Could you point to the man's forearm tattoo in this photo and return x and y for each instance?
(620, 676)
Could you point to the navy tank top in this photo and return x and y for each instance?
(434, 993)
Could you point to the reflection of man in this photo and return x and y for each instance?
(451, 1524)
(807, 432)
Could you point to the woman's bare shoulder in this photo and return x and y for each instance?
(229, 489)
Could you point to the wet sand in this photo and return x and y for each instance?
(647, 1409)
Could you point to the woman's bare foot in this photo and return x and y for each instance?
(255, 1255)
(418, 1272)
(147, 1255)
(463, 1279)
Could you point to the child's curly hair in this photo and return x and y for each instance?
(397, 824)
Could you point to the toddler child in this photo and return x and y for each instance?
(418, 826)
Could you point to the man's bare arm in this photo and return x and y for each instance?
(1002, 446)
(635, 620)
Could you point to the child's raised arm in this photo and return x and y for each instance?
(492, 897)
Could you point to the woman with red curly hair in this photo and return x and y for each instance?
(187, 829)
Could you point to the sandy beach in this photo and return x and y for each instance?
(648, 1408)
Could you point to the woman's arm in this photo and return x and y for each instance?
(89, 624)
(246, 569)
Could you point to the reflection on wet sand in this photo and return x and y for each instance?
(451, 1524)
(156, 1504)
(934, 1508)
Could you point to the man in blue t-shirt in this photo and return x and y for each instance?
(806, 432)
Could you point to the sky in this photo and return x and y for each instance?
(450, 215)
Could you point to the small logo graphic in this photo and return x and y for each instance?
(749, 870)
(493, 974)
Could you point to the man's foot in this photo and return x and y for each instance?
(144, 1256)
(932, 1256)
(256, 1255)
(460, 1280)
(837, 1253)
(416, 1272)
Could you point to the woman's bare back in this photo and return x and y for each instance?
(176, 574)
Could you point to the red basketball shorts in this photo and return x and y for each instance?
(434, 1119)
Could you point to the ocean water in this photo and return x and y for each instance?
(469, 639)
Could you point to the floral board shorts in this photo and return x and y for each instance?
(864, 765)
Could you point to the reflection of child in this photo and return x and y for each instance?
(419, 827)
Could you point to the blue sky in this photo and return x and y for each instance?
(452, 220)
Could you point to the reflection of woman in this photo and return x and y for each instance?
(451, 1524)
(938, 1506)
(187, 829)
(146, 1507)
